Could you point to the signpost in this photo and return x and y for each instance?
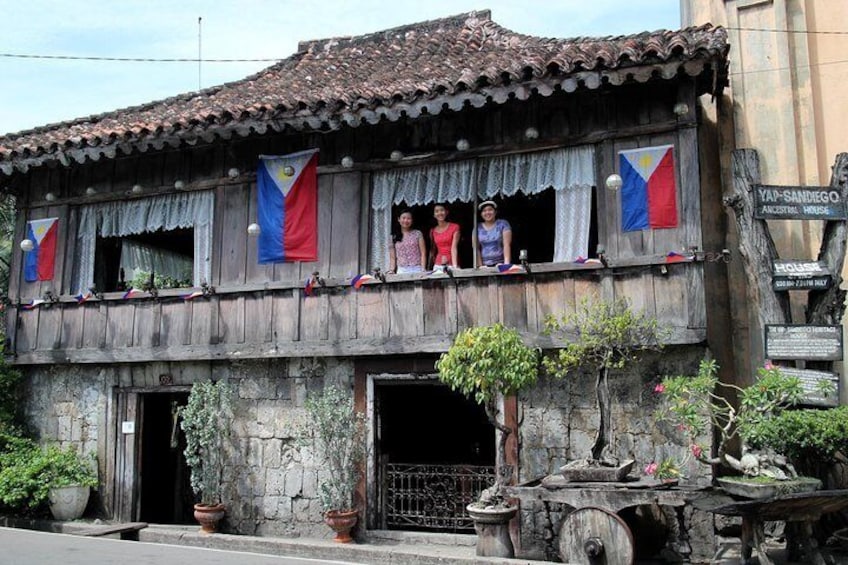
(800, 275)
(804, 342)
(798, 203)
(810, 381)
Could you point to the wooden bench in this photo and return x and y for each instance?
(128, 530)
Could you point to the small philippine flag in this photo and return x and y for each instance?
(675, 257)
(192, 295)
(359, 280)
(132, 293)
(510, 269)
(33, 304)
(649, 190)
(83, 297)
(309, 286)
(587, 261)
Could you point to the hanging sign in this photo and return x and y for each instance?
(798, 203)
(813, 343)
(810, 382)
(800, 275)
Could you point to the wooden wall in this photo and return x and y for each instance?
(260, 311)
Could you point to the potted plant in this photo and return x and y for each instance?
(337, 431)
(486, 363)
(696, 405)
(32, 475)
(205, 422)
(602, 336)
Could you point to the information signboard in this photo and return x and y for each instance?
(810, 381)
(800, 275)
(798, 203)
(809, 342)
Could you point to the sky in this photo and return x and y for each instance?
(37, 91)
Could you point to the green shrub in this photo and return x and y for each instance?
(28, 472)
(803, 435)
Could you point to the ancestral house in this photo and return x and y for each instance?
(155, 281)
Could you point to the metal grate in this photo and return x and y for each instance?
(433, 497)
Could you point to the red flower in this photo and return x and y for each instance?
(659, 388)
(651, 468)
(697, 450)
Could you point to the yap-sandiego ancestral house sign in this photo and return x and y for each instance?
(803, 342)
(811, 383)
(798, 203)
(800, 275)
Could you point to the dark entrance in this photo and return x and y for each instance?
(166, 496)
(436, 452)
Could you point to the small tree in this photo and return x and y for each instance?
(205, 420)
(338, 431)
(606, 336)
(486, 363)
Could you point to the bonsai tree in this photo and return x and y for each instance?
(205, 421)
(485, 363)
(695, 404)
(604, 336)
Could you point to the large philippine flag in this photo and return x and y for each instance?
(288, 207)
(39, 263)
(648, 191)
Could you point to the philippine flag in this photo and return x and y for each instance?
(39, 262)
(357, 281)
(288, 207)
(648, 191)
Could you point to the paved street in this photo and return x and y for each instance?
(25, 547)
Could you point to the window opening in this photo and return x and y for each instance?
(166, 255)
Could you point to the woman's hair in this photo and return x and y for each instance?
(397, 234)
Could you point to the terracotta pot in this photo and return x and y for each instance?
(208, 516)
(341, 522)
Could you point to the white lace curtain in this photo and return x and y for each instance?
(569, 171)
(120, 219)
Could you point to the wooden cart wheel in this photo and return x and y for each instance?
(594, 536)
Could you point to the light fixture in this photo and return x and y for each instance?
(601, 249)
(347, 161)
(522, 255)
(137, 189)
(681, 109)
(179, 185)
(462, 145)
(233, 172)
(614, 182)
(27, 245)
(50, 197)
(531, 133)
(91, 191)
(253, 229)
(396, 155)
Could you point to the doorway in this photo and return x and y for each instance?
(165, 495)
(435, 452)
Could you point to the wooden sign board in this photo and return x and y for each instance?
(800, 275)
(812, 343)
(798, 203)
(810, 381)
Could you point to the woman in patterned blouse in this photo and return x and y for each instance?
(407, 252)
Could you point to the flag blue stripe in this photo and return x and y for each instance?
(634, 198)
(271, 216)
(31, 257)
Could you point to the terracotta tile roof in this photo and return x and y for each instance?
(351, 80)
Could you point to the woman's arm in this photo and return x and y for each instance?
(507, 245)
(422, 247)
(392, 258)
(455, 248)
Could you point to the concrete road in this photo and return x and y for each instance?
(26, 547)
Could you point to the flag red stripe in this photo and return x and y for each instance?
(662, 195)
(47, 253)
(300, 232)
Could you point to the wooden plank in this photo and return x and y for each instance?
(696, 295)
(364, 228)
(233, 243)
(513, 303)
(451, 321)
(638, 290)
(313, 317)
(671, 303)
(435, 307)
(466, 304)
(372, 314)
(146, 324)
(119, 324)
(406, 310)
(285, 315)
(73, 328)
(49, 327)
(230, 319)
(258, 317)
(94, 316)
(204, 321)
(175, 323)
(344, 243)
(341, 323)
(690, 187)
(254, 272)
(127, 480)
(551, 297)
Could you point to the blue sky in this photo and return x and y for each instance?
(36, 92)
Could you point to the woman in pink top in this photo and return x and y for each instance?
(407, 252)
(444, 239)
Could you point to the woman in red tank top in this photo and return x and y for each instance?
(444, 239)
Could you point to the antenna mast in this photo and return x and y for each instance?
(199, 59)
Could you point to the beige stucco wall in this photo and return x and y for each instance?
(786, 96)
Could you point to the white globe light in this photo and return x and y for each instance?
(347, 161)
(396, 155)
(531, 133)
(462, 145)
(27, 245)
(137, 189)
(254, 229)
(179, 185)
(233, 173)
(614, 182)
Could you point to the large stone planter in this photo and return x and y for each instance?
(580, 471)
(68, 503)
(492, 526)
(769, 489)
